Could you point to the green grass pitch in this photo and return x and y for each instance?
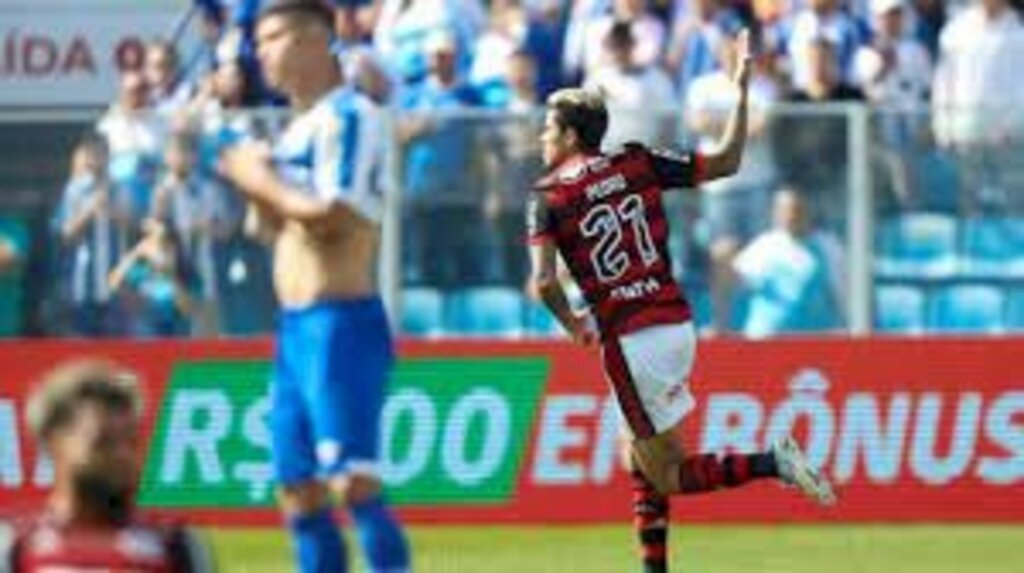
(706, 549)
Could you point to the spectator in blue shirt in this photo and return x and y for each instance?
(92, 222)
(194, 208)
(13, 253)
(156, 285)
(695, 42)
(219, 121)
(436, 154)
(437, 171)
(406, 27)
(794, 274)
(361, 64)
(513, 28)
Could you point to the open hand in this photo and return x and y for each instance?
(744, 59)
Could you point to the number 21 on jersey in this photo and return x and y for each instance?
(606, 222)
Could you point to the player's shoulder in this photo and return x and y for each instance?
(669, 154)
(574, 172)
(627, 149)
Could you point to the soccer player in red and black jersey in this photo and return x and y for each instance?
(86, 413)
(603, 213)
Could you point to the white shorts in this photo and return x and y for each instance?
(649, 372)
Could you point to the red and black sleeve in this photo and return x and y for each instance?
(675, 170)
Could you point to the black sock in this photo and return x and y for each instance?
(650, 518)
(762, 465)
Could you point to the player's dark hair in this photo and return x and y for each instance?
(70, 386)
(582, 111)
(317, 10)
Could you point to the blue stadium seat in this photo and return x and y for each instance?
(422, 311)
(899, 309)
(540, 321)
(973, 308)
(917, 245)
(700, 304)
(937, 180)
(485, 311)
(1015, 309)
(993, 247)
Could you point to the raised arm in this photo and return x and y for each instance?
(725, 160)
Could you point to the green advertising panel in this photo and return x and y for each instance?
(453, 431)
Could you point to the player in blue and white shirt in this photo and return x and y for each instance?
(314, 199)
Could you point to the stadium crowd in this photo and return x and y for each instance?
(151, 237)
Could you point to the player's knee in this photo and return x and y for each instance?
(303, 498)
(659, 471)
(661, 480)
(355, 489)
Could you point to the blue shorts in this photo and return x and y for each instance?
(330, 377)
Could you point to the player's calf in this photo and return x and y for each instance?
(650, 520)
(384, 544)
(318, 544)
(670, 471)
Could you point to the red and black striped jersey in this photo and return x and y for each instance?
(605, 214)
(46, 545)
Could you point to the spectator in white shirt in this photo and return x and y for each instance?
(822, 20)
(894, 71)
(977, 93)
(134, 136)
(895, 74)
(978, 83)
(168, 92)
(648, 31)
(795, 275)
(640, 96)
(734, 208)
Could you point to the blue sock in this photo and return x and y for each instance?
(318, 544)
(384, 543)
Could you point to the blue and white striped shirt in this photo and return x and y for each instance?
(335, 150)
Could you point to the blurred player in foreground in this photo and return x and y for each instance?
(86, 415)
(603, 213)
(314, 199)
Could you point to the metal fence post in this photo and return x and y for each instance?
(860, 225)
(390, 262)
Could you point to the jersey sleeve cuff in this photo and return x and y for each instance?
(699, 166)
